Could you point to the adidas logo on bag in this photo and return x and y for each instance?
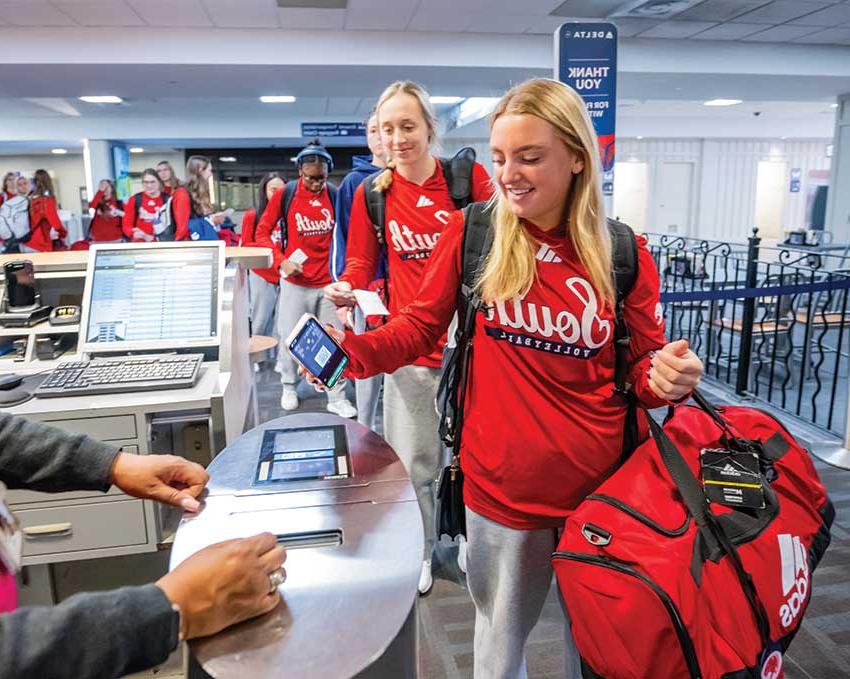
(424, 202)
(729, 470)
(795, 577)
(547, 254)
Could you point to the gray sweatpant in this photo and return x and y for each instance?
(295, 301)
(509, 574)
(411, 427)
(367, 389)
(263, 305)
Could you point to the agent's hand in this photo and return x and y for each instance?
(674, 371)
(224, 584)
(289, 268)
(166, 478)
(340, 294)
(339, 338)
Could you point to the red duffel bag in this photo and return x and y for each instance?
(661, 582)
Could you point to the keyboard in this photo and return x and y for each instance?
(122, 375)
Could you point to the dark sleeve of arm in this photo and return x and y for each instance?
(40, 457)
(89, 636)
(417, 328)
(645, 320)
(363, 250)
(342, 210)
(482, 185)
(265, 227)
(182, 211)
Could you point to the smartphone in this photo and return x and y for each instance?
(311, 345)
(20, 285)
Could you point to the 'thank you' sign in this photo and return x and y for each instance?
(586, 60)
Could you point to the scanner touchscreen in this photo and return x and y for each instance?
(302, 454)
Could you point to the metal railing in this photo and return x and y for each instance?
(770, 322)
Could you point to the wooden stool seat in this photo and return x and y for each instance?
(259, 346)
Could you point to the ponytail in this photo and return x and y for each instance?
(384, 180)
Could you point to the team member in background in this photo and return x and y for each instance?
(15, 217)
(47, 233)
(369, 389)
(144, 208)
(306, 230)
(166, 174)
(263, 284)
(108, 210)
(204, 223)
(418, 205)
(9, 187)
(542, 425)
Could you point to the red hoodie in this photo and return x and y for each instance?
(309, 226)
(542, 425)
(43, 219)
(415, 217)
(143, 218)
(105, 227)
(246, 239)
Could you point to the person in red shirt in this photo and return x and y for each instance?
(542, 425)
(143, 209)
(307, 233)
(418, 206)
(108, 210)
(170, 182)
(47, 232)
(263, 284)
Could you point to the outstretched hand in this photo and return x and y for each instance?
(339, 337)
(169, 479)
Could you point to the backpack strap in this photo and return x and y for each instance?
(624, 256)
(458, 173)
(285, 202)
(376, 206)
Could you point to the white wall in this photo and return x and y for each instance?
(724, 193)
(67, 172)
(141, 161)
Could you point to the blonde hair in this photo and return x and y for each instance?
(511, 268)
(385, 179)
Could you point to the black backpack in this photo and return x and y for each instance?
(286, 201)
(458, 173)
(476, 244)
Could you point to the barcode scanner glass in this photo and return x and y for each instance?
(317, 351)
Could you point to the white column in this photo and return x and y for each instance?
(97, 155)
(838, 198)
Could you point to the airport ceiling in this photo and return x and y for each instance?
(208, 61)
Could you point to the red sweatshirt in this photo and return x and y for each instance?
(181, 209)
(246, 239)
(542, 426)
(415, 217)
(43, 219)
(105, 227)
(309, 226)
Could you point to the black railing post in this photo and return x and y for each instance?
(748, 317)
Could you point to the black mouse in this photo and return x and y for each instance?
(9, 381)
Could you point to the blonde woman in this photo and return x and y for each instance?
(542, 425)
(418, 205)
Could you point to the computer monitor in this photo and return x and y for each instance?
(152, 296)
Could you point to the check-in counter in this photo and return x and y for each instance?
(354, 539)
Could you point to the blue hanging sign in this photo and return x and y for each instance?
(796, 179)
(586, 60)
(121, 171)
(333, 130)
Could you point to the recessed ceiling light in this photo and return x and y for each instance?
(277, 99)
(102, 99)
(227, 159)
(445, 100)
(834, 105)
(722, 102)
(136, 149)
(640, 136)
(59, 152)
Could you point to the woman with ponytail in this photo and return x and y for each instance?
(542, 426)
(418, 206)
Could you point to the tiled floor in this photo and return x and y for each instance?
(820, 651)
